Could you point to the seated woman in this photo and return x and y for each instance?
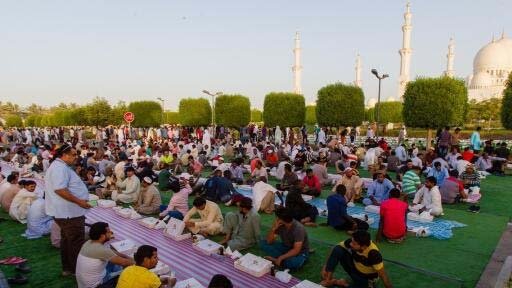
(301, 211)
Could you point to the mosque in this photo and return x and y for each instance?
(491, 66)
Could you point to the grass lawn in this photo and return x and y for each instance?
(414, 263)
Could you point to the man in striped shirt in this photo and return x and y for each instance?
(411, 181)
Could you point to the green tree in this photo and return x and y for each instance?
(506, 104)
(13, 121)
(435, 102)
(369, 114)
(116, 115)
(195, 112)
(98, 112)
(33, 120)
(147, 113)
(284, 109)
(390, 112)
(232, 110)
(256, 115)
(311, 115)
(171, 117)
(340, 104)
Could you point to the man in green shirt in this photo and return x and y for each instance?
(242, 229)
(163, 177)
(411, 181)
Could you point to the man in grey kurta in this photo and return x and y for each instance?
(242, 229)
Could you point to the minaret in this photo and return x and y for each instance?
(358, 82)
(449, 57)
(297, 68)
(405, 52)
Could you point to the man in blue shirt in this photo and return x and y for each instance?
(439, 172)
(67, 201)
(475, 140)
(337, 216)
(378, 190)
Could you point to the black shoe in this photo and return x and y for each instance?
(474, 209)
(23, 267)
(18, 280)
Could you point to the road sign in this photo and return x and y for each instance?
(128, 117)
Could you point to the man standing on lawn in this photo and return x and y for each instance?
(361, 260)
(66, 201)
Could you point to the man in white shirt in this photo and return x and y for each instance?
(130, 188)
(401, 153)
(97, 264)
(461, 165)
(429, 197)
(452, 158)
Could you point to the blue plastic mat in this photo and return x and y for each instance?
(439, 228)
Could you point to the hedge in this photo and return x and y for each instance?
(256, 115)
(195, 112)
(506, 104)
(311, 115)
(232, 111)
(284, 109)
(435, 102)
(340, 105)
(147, 113)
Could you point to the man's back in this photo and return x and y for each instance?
(393, 212)
(91, 264)
(138, 277)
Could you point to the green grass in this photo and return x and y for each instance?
(464, 256)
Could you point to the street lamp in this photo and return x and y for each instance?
(374, 72)
(162, 116)
(213, 106)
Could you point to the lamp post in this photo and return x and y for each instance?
(383, 76)
(213, 106)
(162, 116)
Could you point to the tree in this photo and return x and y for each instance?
(232, 111)
(340, 104)
(98, 112)
(311, 115)
(369, 114)
(506, 104)
(147, 113)
(256, 115)
(486, 110)
(33, 120)
(434, 103)
(13, 121)
(195, 112)
(284, 109)
(390, 112)
(117, 112)
(171, 117)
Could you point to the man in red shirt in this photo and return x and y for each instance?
(393, 218)
(468, 154)
(312, 185)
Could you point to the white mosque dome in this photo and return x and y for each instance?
(496, 55)
(481, 79)
(372, 102)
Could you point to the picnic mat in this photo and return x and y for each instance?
(184, 261)
(439, 228)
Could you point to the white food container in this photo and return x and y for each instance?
(253, 265)
(149, 222)
(189, 283)
(106, 203)
(207, 246)
(161, 268)
(307, 284)
(127, 247)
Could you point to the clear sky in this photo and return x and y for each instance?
(70, 51)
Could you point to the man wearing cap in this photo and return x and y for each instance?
(149, 200)
(352, 183)
(129, 188)
(242, 229)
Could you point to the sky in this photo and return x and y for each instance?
(56, 51)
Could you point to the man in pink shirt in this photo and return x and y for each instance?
(178, 205)
(393, 218)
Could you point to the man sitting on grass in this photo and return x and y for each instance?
(361, 260)
(97, 264)
(293, 249)
(210, 217)
(429, 197)
(393, 218)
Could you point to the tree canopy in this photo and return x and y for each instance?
(506, 106)
(340, 104)
(311, 114)
(284, 109)
(147, 113)
(390, 112)
(256, 115)
(232, 110)
(195, 112)
(435, 102)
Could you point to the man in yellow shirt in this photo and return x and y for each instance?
(360, 258)
(139, 276)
